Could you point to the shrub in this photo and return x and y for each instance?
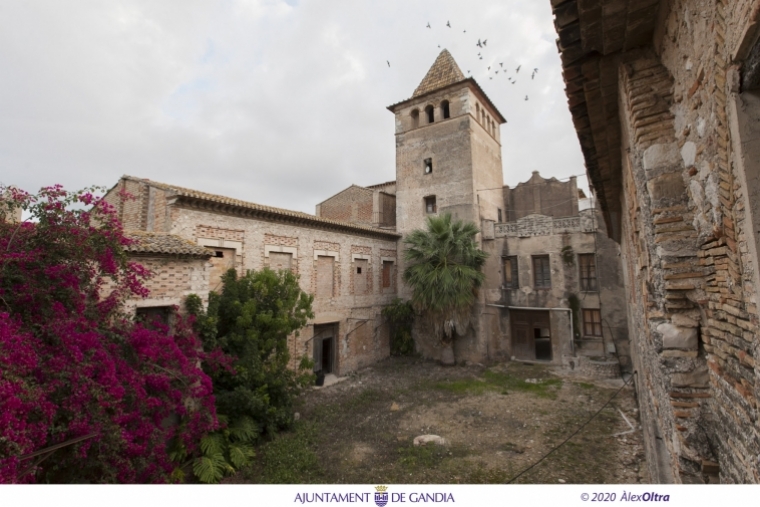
(72, 364)
(400, 316)
(250, 322)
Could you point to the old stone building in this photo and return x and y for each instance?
(351, 269)
(561, 279)
(663, 95)
(547, 306)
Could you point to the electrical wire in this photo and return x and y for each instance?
(513, 479)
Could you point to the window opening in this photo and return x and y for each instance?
(499, 214)
(218, 253)
(541, 272)
(359, 270)
(430, 114)
(430, 206)
(592, 323)
(587, 263)
(510, 273)
(428, 165)
(151, 316)
(415, 118)
(387, 273)
(542, 340)
(445, 109)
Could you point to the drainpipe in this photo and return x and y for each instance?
(572, 329)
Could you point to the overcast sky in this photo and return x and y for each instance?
(280, 102)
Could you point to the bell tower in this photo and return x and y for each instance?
(448, 159)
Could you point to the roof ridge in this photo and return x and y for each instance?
(197, 194)
(443, 72)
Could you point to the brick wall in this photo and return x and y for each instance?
(173, 278)
(352, 205)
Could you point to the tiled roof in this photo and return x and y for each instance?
(381, 185)
(269, 210)
(162, 243)
(444, 72)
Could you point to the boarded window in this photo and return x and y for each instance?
(387, 274)
(587, 263)
(361, 276)
(280, 260)
(222, 261)
(542, 276)
(325, 271)
(510, 273)
(592, 323)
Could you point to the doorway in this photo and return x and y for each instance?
(325, 348)
(531, 335)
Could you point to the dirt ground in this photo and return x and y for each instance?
(496, 421)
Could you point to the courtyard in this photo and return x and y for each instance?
(496, 421)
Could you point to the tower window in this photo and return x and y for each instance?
(430, 116)
(415, 118)
(428, 165)
(499, 214)
(430, 206)
(445, 109)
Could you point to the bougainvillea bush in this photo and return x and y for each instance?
(73, 365)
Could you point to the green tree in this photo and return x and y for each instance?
(444, 270)
(250, 321)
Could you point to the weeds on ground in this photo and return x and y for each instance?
(502, 382)
(289, 458)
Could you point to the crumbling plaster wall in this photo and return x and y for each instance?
(688, 261)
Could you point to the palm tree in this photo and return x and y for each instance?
(444, 270)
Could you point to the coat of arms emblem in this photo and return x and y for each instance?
(381, 496)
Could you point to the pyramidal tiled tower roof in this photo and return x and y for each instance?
(444, 72)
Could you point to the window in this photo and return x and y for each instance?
(154, 315)
(361, 277)
(587, 263)
(510, 273)
(415, 119)
(592, 323)
(428, 165)
(430, 204)
(542, 277)
(445, 109)
(430, 115)
(387, 274)
(325, 270)
(499, 214)
(279, 261)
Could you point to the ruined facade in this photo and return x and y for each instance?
(561, 287)
(350, 253)
(351, 269)
(663, 97)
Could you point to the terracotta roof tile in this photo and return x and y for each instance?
(162, 243)
(444, 72)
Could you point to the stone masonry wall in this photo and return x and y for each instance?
(687, 246)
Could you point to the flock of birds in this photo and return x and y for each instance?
(482, 44)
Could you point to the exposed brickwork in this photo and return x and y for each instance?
(355, 205)
(204, 231)
(689, 248)
(271, 239)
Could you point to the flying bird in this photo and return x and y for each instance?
(464, 31)
(526, 97)
(468, 71)
(481, 57)
(448, 24)
(489, 67)
(501, 64)
(497, 71)
(518, 68)
(389, 63)
(484, 41)
(535, 70)
(479, 44)
(489, 77)
(428, 25)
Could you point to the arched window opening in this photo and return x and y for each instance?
(445, 109)
(477, 111)
(415, 119)
(430, 115)
(482, 117)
